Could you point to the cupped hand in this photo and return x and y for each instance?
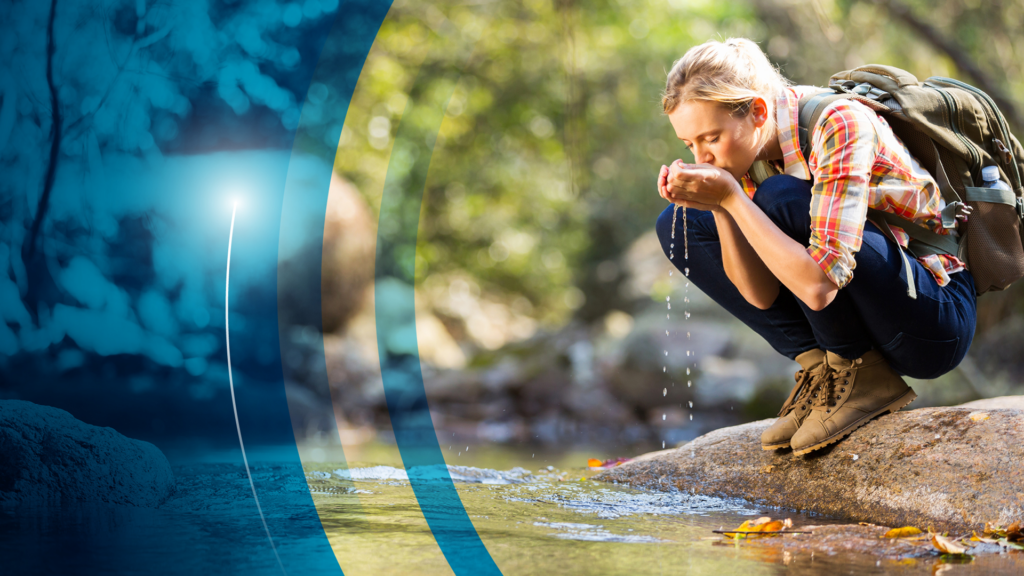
(700, 186)
(663, 191)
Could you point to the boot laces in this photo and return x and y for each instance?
(803, 390)
(826, 397)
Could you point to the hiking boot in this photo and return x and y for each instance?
(852, 393)
(797, 406)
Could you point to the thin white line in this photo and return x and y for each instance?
(231, 383)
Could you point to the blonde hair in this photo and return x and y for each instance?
(731, 73)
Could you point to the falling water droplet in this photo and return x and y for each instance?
(691, 416)
(668, 298)
(672, 245)
(687, 333)
(666, 352)
(686, 271)
(689, 383)
(663, 417)
(690, 403)
(664, 392)
(662, 444)
(686, 239)
(666, 332)
(670, 272)
(664, 368)
(670, 306)
(666, 316)
(687, 371)
(686, 298)
(687, 352)
(687, 314)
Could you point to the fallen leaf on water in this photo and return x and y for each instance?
(902, 532)
(1011, 533)
(609, 463)
(1014, 532)
(762, 526)
(977, 538)
(946, 546)
(741, 528)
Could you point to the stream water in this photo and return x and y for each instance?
(536, 514)
(551, 520)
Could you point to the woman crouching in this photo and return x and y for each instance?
(795, 258)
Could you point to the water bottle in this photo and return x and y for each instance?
(990, 175)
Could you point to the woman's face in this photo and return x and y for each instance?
(716, 137)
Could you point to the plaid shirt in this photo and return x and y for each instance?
(856, 162)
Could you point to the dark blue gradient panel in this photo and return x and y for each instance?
(128, 132)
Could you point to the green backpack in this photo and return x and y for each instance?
(953, 130)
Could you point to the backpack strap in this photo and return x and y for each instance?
(811, 106)
(877, 217)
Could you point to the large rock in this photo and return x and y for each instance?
(949, 468)
(46, 455)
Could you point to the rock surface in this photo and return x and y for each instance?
(46, 455)
(998, 403)
(948, 468)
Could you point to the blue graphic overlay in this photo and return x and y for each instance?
(127, 132)
(396, 326)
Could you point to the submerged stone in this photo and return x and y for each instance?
(48, 456)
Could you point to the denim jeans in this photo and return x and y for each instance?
(922, 338)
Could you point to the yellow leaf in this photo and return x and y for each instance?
(902, 532)
(773, 526)
(946, 546)
(742, 528)
(594, 463)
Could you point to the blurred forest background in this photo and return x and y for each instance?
(540, 286)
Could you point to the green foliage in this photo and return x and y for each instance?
(548, 153)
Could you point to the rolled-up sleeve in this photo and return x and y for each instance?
(842, 157)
